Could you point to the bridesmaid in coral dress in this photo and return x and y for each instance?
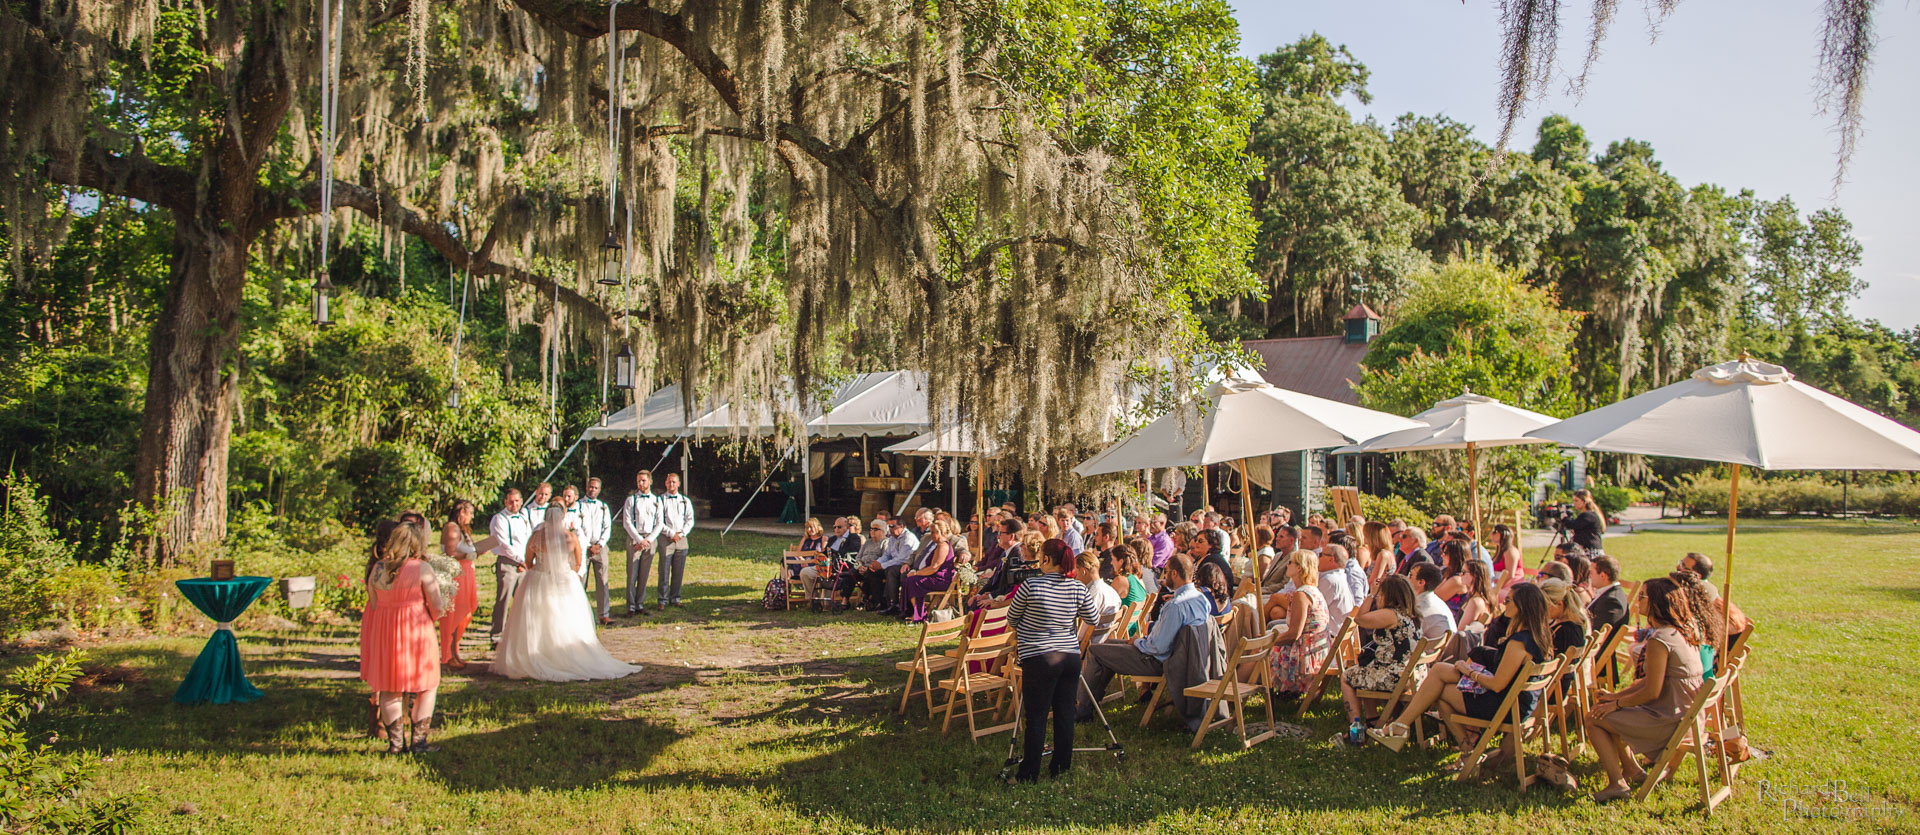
(399, 650)
(457, 542)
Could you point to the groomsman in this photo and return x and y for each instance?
(536, 509)
(596, 527)
(676, 523)
(511, 530)
(640, 515)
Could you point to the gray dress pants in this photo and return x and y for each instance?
(673, 569)
(597, 575)
(506, 576)
(639, 560)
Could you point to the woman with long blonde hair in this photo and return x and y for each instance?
(399, 650)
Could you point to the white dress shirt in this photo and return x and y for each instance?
(641, 517)
(676, 517)
(596, 522)
(511, 531)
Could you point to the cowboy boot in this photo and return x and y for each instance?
(420, 745)
(374, 729)
(396, 737)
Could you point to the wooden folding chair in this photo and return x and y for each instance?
(1225, 623)
(1237, 688)
(1565, 701)
(1425, 653)
(1333, 665)
(791, 561)
(1612, 653)
(1689, 737)
(994, 651)
(1535, 677)
(1118, 631)
(924, 663)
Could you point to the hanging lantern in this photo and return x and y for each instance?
(553, 440)
(323, 301)
(623, 368)
(453, 396)
(612, 258)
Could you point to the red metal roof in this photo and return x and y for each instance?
(1323, 366)
(1360, 311)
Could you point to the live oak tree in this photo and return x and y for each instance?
(1037, 189)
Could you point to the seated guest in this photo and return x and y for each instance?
(1707, 622)
(1410, 549)
(1333, 585)
(1312, 539)
(896, 555)
(1436, 619)
(840, 550)
(1213, 581)
(1376, 552)
(1286, 540)
(1205, 550)
(1582, 570)
(865, 572)
(1480, 601)
(1161, 540)
(1701, 565)
(1569, 617)
(1106, 601)
(813, 537)
(1147, 656)
(1395, 628)
(1530, 641)
(1020, 553)
(1302, 646)
(1126, 564)
(1641, 717)
(934, 574)
(1149, 580)
(1609, 607)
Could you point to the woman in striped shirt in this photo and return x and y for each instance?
(1044, 614)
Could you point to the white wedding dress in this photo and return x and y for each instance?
(550, 631)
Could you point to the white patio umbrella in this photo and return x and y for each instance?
(1744, 413)
(1247, 417)
(1471, 422)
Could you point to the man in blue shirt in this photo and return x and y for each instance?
(1147, 656)
(894, 554)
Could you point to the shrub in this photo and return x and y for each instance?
(31, 555)
(92, 597)
(46, 792)
(1705, 493)
(1388, 508)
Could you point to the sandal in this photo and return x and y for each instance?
(1394, 741)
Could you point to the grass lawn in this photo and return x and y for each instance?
(753, 721)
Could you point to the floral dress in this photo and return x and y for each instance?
(1295, 663)
(1384, 657)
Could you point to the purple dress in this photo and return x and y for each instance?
(917, 588)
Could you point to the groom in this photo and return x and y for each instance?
(511, 529)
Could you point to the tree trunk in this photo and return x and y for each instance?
(181, 469)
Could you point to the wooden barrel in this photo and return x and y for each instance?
(872, 502)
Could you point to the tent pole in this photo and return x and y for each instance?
(980, 495)
(1726, 576)
(756, 493)
(916, 489)
(953, 488)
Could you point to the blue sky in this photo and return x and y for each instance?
(1724, 94)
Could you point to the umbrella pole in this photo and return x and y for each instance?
(1473, 490)
(1206, 495)
(980, 495)
(1246, 517)
(1726, 577)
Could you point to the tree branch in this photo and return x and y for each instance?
(131, 175)
(388, 210)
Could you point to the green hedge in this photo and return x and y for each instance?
(1701, 493)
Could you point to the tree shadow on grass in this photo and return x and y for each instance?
(553, 751)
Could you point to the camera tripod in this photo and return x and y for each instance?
(1013, 744)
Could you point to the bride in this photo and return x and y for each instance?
(549, 632)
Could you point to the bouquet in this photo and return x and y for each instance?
(447, 571)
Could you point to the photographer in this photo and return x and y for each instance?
(1044, 614)
(1587, 525)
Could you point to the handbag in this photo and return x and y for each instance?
(1468, 685)
(775, 597)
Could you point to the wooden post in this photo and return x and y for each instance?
(1726, 575)
(980, 495)
(1206, 495)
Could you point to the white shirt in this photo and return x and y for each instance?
(676, 517)
(511, 530)
(536, 513)
(1435, 618)
(641, 517)
(1333, 587)
(1106, 601)
(596, 522)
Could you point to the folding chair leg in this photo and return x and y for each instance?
(952, 696)
(1518, 746)
(907, 694)
(1470, 763)
(1153, 702)
(1206, 721)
